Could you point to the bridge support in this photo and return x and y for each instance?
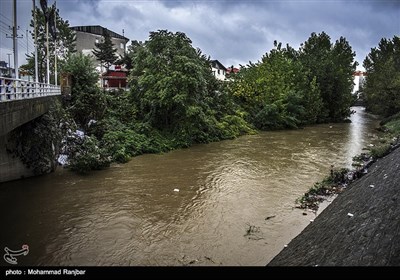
(11, 167)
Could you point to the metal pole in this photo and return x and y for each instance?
(123, 35)
(15, 44)
(55, 43)
(27, 43)
(36, 53)
(9, 65)
(48, 53)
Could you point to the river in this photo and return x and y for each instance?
(235, 204)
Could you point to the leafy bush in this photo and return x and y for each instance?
(86, 155)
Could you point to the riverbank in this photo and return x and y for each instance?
(359, 228)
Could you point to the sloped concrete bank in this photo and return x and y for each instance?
(361, 227)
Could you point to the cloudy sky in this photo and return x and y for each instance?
(232, 31)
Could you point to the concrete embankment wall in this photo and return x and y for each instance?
(361, 227)
(11, 167)
(12, 115)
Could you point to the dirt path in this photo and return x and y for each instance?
(361, 227)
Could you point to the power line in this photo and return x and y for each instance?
(4, 23)
(6, 17)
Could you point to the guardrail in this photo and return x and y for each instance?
(13, 89)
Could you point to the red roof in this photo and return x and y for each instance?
(234, 70)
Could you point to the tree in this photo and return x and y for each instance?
(105, 52)
(87, 101)
(63, 39)
(382, 88)
(127, 58)
(175, 91)
(332, 66)
(276, 92)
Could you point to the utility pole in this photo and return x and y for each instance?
(36, 53)
(9, 65)
(55, 44)
(47, 52)
(15, 43)
(27, 43)
(123, 35)
(15, 36)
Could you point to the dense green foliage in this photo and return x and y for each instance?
(174, 102)
(288, 88)
(332, 65)
(382, 88)
(87, 100)
(175, 92)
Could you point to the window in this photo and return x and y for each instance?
(121, 45)
(219, 72)
(97, 41)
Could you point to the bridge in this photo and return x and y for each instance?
(21, 101)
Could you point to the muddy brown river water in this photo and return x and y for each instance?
(235, 204)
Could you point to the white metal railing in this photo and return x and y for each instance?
(13, 89)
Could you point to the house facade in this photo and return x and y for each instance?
(86, 39)
(218, 70)
(88, 36)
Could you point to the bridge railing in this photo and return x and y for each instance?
(13, 89)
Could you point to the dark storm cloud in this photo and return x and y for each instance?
(236, 31)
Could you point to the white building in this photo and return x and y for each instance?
(218, 70)
(88, 36)
(359, 81)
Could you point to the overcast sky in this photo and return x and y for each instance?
(232, 31)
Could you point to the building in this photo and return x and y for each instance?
(359, 81)
(218, 70)
(5, 71)
(114, 79)
(88, 36)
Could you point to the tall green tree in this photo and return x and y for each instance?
(332, 65)
(171, 82)
(175, 90)
(63, 39)
(105, 51)
(87, 101)
(276, 92)
(382, 89)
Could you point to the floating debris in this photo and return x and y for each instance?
(270, 217)
(350, 215)
(371, 186)
(176, 190)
